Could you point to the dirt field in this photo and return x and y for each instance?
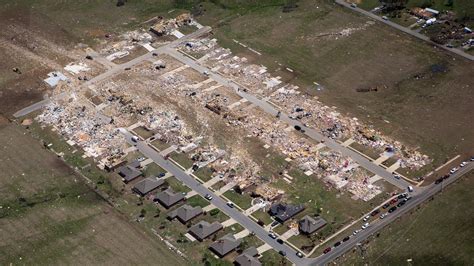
(423, 95)
(48, 216)
(437, 234)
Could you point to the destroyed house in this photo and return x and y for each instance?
(283, 212)
(169, 198)
(185, 213)
(248, 258)
(309, 225)
(225, 245)
(203, 229)
(147, 185)
(129, 173)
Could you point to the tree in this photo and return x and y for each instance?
(391, 5)
(142, 213)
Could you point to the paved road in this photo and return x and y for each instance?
(379, 224)
(116, 69)
(196, 186)
(406, 30)
(270, 109)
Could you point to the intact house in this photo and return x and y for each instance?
(248, 258)
(283, 213)
(309, 225)
(130, 171)
(185, 213)
(147, 185)
(203, 229)
(225, 245)
(169, 198)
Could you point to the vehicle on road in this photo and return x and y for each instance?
(206, 73)
(230, 204)
(283, 253)
(394, 201)
(346, 238)
(386, 205)
(280, 241)
(356, 231)
(366, 218)
(365, 226)
(384, 17)
(272, 235)
(375, 212)
(383, 215)
(353, 5)
(327, 250)
(394, 208)
(208, 197)
(410, 189)
(298, 128)
(403, 195)
(439, 180)
(463, 164)
(396, 176)
(454, 170)
(337, 244)
(401, 203)
(299, 255)
(472, 159)
(134, 138)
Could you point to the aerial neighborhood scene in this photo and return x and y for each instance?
(224, 132)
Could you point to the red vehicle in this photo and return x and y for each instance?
(394, 201)
(327, 250)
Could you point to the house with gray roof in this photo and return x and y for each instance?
(248, 258)
(283, 212)
(225, 245)
(185, 213)
(309, 225)
(169, 198)
(147, 185)
(203, 229)
(128, 173)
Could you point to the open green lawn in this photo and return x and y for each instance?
(438, 233)
(244, 200)
(263, 216)
(182, 159)
(204, 173)
(153, 170)
(197, 201)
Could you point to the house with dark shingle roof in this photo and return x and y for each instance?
(309, 225)
(248, 258)
(169, 198)
(185, 213)
(128, 173)
(225, 245)
(283, 212)
(203, 229)
(147, 185)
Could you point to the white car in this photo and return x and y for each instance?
(356, 231)
(364, 226)
(463, 164)
(454, 170)
(366, 218)
(383, 215)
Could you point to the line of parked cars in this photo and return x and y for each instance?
(453, 171)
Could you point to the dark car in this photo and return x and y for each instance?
(394, 208)
(161, 174)
(272, 235)
(280, 241)
(337, 244)
(375, 212)
(401, 203)
(327, 250)
(275, 223)
(297, 127)
(386, 205)
(346, 238)
(439, 180)
(283, 253)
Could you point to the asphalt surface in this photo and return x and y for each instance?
(195, 185)
(376, 226)
(270, 109)
(405, 29)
